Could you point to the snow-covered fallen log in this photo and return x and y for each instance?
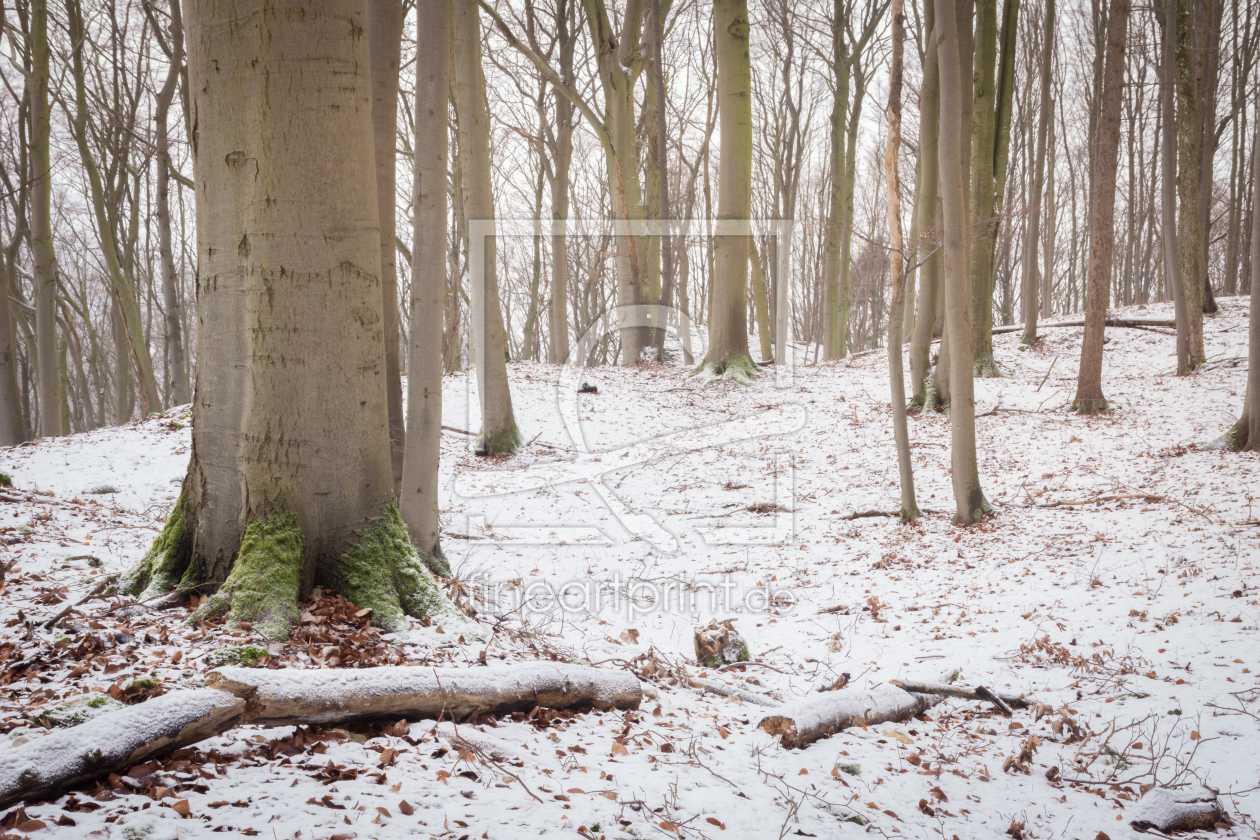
(1178, 810)
(291, 696)
(114, 741)
(804, 721)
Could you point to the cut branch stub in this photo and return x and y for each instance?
(719, 644)
(1178, 810)
(804, 721)
(291, 696)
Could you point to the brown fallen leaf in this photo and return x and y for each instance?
(715, 821)
(926, 808)
(405, 808)
(180, 806)
(619, 749)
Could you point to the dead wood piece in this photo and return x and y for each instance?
(94, 592)
(840, 683)
(719, 644)
(804, 721)
(1178, 810)
(966, 692)
(291, 696)
(729, 691)
(1130, 323)
(112, 742)
(1119, 497)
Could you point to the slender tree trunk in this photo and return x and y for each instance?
(1029, 286)
(418, 502)
(384, 30)
(42, 257)
(909, 507)
(1173, 277)
(969, 499)
(925, 212)
(662, 163)
(499, 434)
(1089, 393)
(1190, 107)
(290, 482)
(833, 266)
(12, 423)
(1245, 436)
(728, 325)
(176, 365)
(760, 313)
(557, 310)
(846, 224)
(984, 223)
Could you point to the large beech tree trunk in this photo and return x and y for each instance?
(290, 482)
(1102, 235)
(385, 26)
(418, 499)
(728, 323)
(499, 434)
(951, 47)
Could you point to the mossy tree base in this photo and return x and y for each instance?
(384, 572)
(977, 511)
(166, 563)
(986, 368)
(262, 588)
(1093, 405)
(504, 442)
(739, 368)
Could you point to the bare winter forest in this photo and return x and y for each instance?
(390, 386)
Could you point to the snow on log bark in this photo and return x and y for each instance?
(966, 692)
(1178, 810)
(291, 696)
(112, 742)
(804, 721)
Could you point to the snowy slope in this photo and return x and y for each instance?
(1133, 620)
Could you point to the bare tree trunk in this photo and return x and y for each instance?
(418, 501)
(760, 313)
(969, 499)
(1030, 285)
(385, 27)
(728, 324)
(562, 157)
(1051, 212)
(1245, 436)
(290, 481)
(1102, 235)
(925, 211)
(1190, 70)
(176, 365)
(909, 507)
(662, 162)
(1174, 280)
(42, 256)
(983, 223)
(499, 434)
(12, 423)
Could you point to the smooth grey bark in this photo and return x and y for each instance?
(1245, 436)
(418, 501)
(562, 157)
(499, 434)
(1089, 395)
(290, 411)
(42, 256)
(897, 257)
(1168, 192)
(728, 323)
(968, 497)
(1033, 234)
(385, 28)
(662, 162)
(925, 212)
(176, 361)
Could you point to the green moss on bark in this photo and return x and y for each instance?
(166, 561)
(739, 368)
(385, 572)
(262, 587)
(504, 442)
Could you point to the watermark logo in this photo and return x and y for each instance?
(584, 466)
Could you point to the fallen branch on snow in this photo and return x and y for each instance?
(1130, 323)
(112, 742)
(290, 696)
(1146, 497)
(804, 721)
(1003, 700)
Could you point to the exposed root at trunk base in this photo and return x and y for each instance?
(385, 573)
(503, 442)
(165, 563)
(1092, 405)
(262, 588)
(986, 368)
(739, 368)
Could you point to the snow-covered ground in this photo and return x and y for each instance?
(1133, 620)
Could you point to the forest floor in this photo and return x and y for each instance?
(1132, 617)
